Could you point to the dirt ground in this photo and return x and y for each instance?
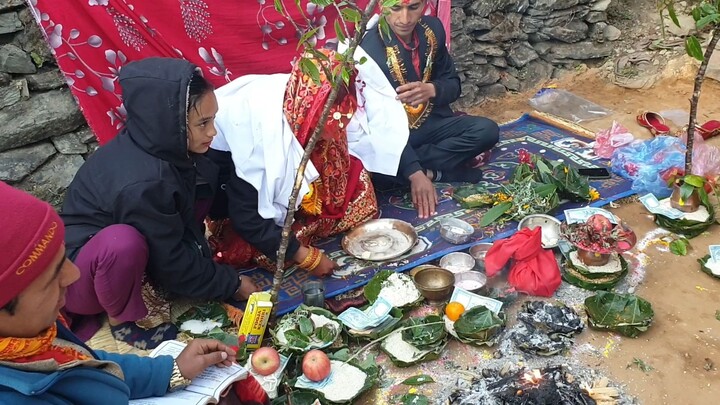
(683, 345)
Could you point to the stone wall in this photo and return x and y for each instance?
(43, 135)
(499, 46)
(512, 45)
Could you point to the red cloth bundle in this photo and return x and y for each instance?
(535, 270)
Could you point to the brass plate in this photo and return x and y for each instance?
(380, 239)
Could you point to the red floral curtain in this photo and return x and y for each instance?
(93, 39)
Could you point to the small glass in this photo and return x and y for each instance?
(314, 294)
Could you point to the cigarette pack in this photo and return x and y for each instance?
(255, 319)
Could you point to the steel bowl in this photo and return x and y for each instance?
(473, 281)
(478, 253)
(550, 228)
(455, 230)
(380, 239)
(457, 262)
(434, 283)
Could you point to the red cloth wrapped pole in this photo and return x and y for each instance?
(535, 270)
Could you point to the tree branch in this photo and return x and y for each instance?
(337, 81)
(696, 98)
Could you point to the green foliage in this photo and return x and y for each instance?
(680, 246)
(419, 380)
(627, 314)
(706, 15)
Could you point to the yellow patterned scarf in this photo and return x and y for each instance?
(38, 348)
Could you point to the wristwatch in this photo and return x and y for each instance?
(236, 295)
(177, 381)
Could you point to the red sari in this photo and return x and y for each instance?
(341, 198)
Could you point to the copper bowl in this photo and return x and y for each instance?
(434, 283)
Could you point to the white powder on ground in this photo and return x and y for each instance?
(713, 266)
(613, 266)
(346, 382)
(701, 215)
(399, 290)
(199, 327)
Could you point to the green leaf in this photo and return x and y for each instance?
(363, 60)
(325, 333)
(478, 324)
(693, 48)
(679, 247)
(339, 32)
(701, 23)
(279, 6)
(543, 167)
(384, 27)
(323, 3)
(696, 14)
(306, 37)
(419, 380)
(627, 314)
(673, 14)
(306, 326)
(414, 399)
(494, 213)
(345, 74)
(717, 314)
(389, 3)
(694, 180)
(352, 15)
(309, 68)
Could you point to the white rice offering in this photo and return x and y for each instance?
(713, 266)
(318, 321)
(612, 267)
(399, 290)
(469, 285)
(701, 215)
(344, 383)
(199, 327)
(400, 349)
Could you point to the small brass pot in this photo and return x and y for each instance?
(593, 259)
(691, 204)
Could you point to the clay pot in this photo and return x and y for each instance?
(593, 259)
(691, 204)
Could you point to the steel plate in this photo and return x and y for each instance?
(380, 239)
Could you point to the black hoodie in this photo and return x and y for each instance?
(146, 178)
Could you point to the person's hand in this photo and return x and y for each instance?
(325, 268)
(415, 93)
(201, 354)
(424, 197)
(247, 287)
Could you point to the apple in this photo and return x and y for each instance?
(316, 365)
(265, 361)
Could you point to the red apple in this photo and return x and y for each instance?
(316, 365)
(265, 361)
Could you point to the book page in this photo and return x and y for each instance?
(175, 398)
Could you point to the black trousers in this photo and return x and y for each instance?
(444, 144)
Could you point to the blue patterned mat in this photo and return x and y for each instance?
(531, 132)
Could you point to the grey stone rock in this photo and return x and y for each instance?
(499, 62)
(6, 5)
(40, 117)
(574, 31)
(563, 17)
(520, 54)
(86, 135)
(483, 8)
(460, 3)
(468, 90)
(13, 93)
(530, 24)
(601, 5)
(536, 37)
(70, 144)
(5, 78)
(15, 60)
(475, 23)
(546, 6)
(16, 164)
(483, 75)
(462, 48)
(508, 29)
(534, 73)
(51, 180)
(32, 41)
(44, 81)
(580, 50)
(92, 147)
(510, 82)
(480, 60)
(612, 33)
(10, 23)
(493, 90)
(597, 32)
(481, 48)
(543, 48)
(596, 17)
(457, 18)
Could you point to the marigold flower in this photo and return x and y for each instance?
(594, 194)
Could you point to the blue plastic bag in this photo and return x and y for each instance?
(644, 161)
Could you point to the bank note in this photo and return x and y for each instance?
(580, 215)
(715, 253)
(470, 300)
(373, 316)
(653, 205)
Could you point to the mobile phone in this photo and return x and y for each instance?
(595, 172)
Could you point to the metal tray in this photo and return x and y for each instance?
(380, 239)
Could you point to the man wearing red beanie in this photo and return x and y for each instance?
(41, 361)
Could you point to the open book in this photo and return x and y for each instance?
(205, 388)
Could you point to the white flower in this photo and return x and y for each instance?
(98, 2)
(55, 37)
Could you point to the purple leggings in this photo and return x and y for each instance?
(112, 264)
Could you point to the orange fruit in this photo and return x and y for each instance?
(453, 310)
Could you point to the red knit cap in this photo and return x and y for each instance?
(31, 233)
